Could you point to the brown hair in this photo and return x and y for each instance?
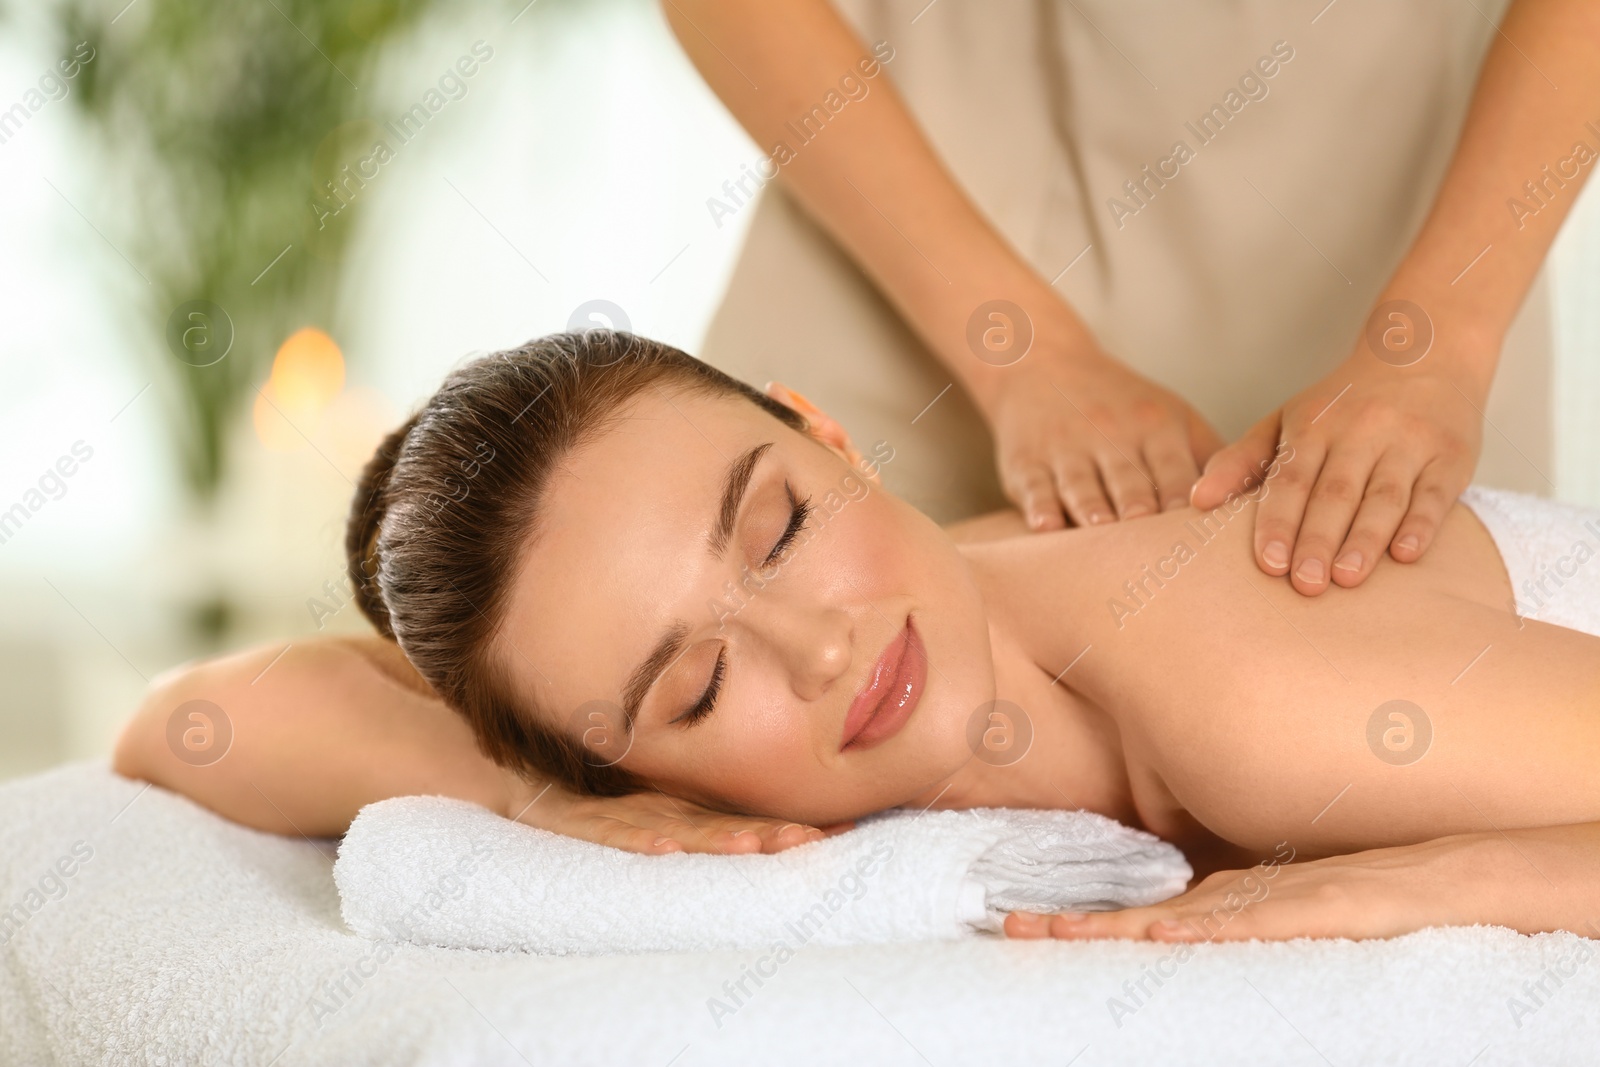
(451, 497)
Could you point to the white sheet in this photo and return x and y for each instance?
(186, 939)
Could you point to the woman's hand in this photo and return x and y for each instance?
(656, 823)
(1379, 454)
(1534, 879)
(1084, 435)
(1379, 893)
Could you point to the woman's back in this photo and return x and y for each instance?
(1416, 705)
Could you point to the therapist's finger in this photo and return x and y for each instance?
(1228, 470)
(1033, 489)
(1435, 491)
(1330, 509)
(1204, 441)
(1282, 509)
(1172, 463)
(1131, 490)
(1078, 482)
(1382, 507)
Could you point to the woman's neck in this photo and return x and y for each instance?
(1041, 744)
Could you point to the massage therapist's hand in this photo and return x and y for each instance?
(1374, 457)
(1082, 434)
(656, 823)
(1080, 438)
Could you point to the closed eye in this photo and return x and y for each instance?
(799, 511)
(708, 700)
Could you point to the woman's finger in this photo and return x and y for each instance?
(646, 821)
(723, 841)
(1129, 924)
(630, 838)
(1387, 497)
(737, 834)
(773, 835)
(1330, 510)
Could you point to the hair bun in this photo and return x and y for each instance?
(367, 509)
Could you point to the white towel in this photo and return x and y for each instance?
(437, 871)
(1551, 551)
(188, 939)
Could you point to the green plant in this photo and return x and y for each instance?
(212, 119)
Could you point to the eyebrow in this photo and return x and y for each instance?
(735, 482)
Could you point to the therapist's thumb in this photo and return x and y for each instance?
(1235, 468)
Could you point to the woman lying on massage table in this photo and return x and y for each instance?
(648, 594)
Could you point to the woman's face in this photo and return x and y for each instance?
(740, 658)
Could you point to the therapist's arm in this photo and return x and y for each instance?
(1384, 444)
(1074, 429)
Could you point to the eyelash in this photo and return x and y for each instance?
(708, 700)
(800, 511)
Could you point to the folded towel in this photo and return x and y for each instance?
(1549, 549)
(437, 871)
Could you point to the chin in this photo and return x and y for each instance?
(825, 803)
(916, 763)
(941, 756)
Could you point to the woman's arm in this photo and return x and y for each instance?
(1534, 880)
(876, 185)
(307, 734)
(319, 729)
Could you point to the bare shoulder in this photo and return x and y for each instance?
(1463, 561)
(991, 526)
(386, 657)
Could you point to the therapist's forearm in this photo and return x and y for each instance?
(870, 177)
(1537, 99)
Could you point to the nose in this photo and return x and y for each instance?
(810, 641)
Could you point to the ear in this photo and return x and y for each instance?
(824, 428)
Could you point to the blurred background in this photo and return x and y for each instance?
(239, 242)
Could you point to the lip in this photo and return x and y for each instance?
(891, 693)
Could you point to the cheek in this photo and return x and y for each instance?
(952, 620)
(754, 754)
(771, 767)
(871, 539)
(893, 553)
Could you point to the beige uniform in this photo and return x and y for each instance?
(1219, 189)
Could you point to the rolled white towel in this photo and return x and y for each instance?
(437, 871)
